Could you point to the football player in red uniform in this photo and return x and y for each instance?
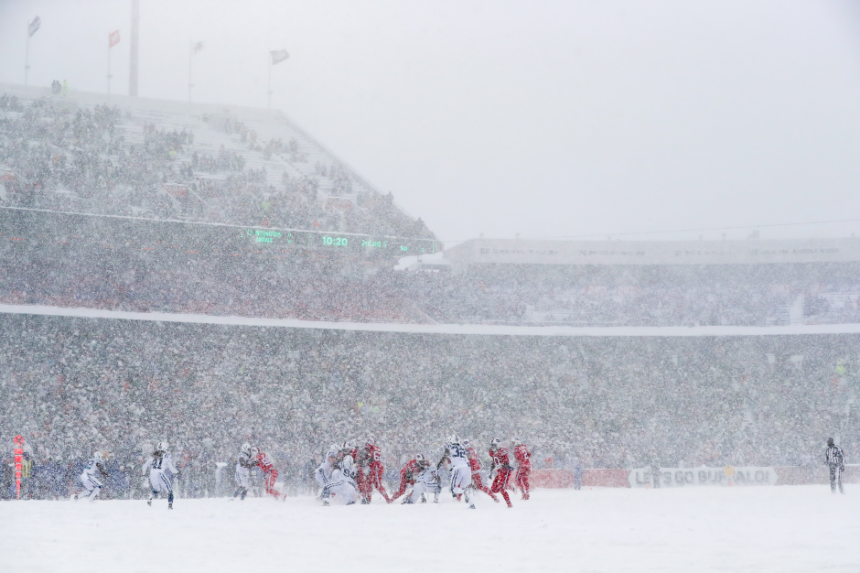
(475, 464)
(370, 460)
(264, 462)
(524, 467)
(407, 476)
(501, 462)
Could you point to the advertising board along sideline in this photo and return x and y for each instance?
(702, 476)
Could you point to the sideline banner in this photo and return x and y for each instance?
(556, 479)
(703, 476)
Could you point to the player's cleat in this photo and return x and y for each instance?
(472, 506)
(364, 501)
(169, 506)
(149, 502)
(75, 498)
(423, 499)
(325, 502)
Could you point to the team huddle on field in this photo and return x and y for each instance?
(349, 473)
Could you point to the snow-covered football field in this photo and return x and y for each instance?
(800, 528)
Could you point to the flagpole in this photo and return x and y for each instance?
(27, 57)
(190, 57)
(108, 75)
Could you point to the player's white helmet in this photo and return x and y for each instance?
(255, 451)
(454, 439)
(515, 441)
(421, 460)
(98, 456)
(494, 445)
(347, 446)
(162, 446)
(347, 463)
(466, 443)
(246, 448)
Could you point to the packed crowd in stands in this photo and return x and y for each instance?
(62, 158)
(617, 296)
(309, 285)
(74, 385)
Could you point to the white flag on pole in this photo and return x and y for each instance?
(34, 26)
(279, 56)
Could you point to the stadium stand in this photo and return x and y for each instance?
(72, 384)
(167, 160)
(210, 211)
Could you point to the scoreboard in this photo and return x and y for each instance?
(339, 241)
(37, 229)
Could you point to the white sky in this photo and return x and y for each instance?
(540, 118)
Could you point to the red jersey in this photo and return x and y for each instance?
(523, 457)
(372, 455)
(473, 459)
(410, 471)
(265, 462)
(500, 458)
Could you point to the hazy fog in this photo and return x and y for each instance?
(540, 118)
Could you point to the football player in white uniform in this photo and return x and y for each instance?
(341, 488)
(158, 463)
(323, 473)
(243, 471)
(461, 473)
(88, 478)
(428, 481)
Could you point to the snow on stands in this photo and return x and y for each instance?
(763, 530)
(169, 160)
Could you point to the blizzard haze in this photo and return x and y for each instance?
(548, 119)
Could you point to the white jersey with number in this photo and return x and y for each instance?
(157, 465)
(457, 455)
(341, 489)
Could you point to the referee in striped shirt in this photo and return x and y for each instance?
(836, 461)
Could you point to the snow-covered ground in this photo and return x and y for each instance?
(762, 529)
